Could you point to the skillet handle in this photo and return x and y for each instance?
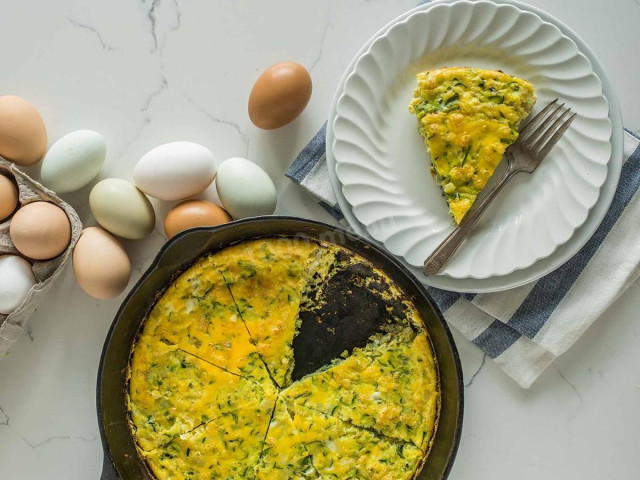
(108, 470)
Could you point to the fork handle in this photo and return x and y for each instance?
(450, 245)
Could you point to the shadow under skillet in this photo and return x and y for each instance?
(341, 312)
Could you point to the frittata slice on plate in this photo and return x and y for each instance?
(468, 117)
(303, 443)
(172, 392)
(390, 386)
(266, 279)
(198, 315)
(227, 447)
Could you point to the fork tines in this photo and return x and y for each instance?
(544, 130)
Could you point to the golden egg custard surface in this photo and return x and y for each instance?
(389, 385)
(467, 118)
(214, 391)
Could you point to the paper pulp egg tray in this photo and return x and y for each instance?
(46, 271)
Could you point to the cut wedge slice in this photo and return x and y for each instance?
(284, 455)
(388, 386)
(174, 392)
(198, 315)
(227, 447)
(468, 117)
(303, 443)
(266, 279)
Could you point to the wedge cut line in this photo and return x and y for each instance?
(266, 279)
(337, 449)
(376, 433)
(388, 386)
(269, 373)
(204, 392)
(173, 392)
(198, 315)
(226, 447)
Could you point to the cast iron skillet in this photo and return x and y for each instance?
(121, 460)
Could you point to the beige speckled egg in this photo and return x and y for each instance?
(279, 95)
(23, 136)
(100, 264)
(8, 197)
(119, 207)
(40, 230)
(193, 213)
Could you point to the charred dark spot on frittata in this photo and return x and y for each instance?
(348, 307)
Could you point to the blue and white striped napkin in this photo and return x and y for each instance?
(526, 328)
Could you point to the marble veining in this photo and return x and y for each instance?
(57, 438)
(151, 15)
(323, 37)
(96, 34)
(568, 382)
(156, 93)
(4, 418)
(243, 136)
(477, 372)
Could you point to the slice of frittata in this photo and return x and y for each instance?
(172, 393)
(198, 315)
(389, 386)
(303, 443)
(227, 447)
(468, 117)
(266, 279)
(284, 455)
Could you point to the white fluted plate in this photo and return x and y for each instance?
(382, 167)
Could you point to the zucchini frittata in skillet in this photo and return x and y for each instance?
(283, 358)
(468, 117)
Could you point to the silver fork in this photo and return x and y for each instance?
(535, 142)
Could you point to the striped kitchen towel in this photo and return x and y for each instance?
(526, 328)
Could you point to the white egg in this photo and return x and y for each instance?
(16, 280)
(175, 171)
(73, 161)
(245, 189)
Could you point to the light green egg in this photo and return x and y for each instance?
(119, 207)
(73, 161)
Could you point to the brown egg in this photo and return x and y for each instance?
(193, 213)
(100, 264)
(40, 230)
(279, 95)
(8, 197)
(23, 136)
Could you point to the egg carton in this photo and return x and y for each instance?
(45, 272)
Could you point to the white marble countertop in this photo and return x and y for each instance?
(145, 73)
